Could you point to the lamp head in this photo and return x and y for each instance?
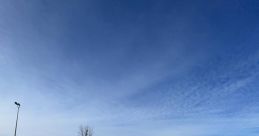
(18, 104)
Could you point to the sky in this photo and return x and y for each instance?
(130, 67)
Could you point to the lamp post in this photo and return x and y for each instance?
(18, 106)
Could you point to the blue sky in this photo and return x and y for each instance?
(130, 68)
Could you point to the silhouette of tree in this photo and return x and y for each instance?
(85, 131)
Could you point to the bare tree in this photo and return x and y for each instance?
(85, 131)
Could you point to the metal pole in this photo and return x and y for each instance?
(18, 105)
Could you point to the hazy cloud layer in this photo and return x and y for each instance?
(142, 68)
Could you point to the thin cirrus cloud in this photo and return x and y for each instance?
(130, 68)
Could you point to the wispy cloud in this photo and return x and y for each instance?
(126, 70)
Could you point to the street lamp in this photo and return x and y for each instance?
(18, 106)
